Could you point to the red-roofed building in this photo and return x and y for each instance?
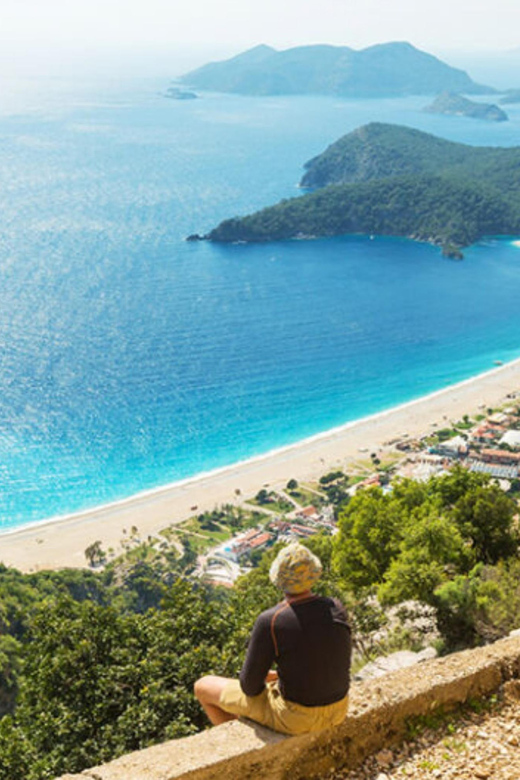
(243, 547)
(260, 541)
(309, 513)
(500, 456)
(302, 530)
(487, 433)
(248, 535)
(281, 526)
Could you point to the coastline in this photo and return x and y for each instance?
(60, 541)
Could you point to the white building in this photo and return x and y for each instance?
(512, 438)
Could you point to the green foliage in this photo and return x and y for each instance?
(9, 669)
(337, 494)
(421, 535)
(332, 476)
(369, 538)
(97, 683)
(430, 548)
(515, 486)
(485, 516)
(18, 761)
(445, 433)
(273, 501)
(481, 606)
(262, 497)
(95, 554)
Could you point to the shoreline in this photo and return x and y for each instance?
(59, 542)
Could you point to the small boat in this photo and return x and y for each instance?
(498, 362)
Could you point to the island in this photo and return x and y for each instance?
(511, 96)
(453, 104)
(175, 93)
(383, 70)
(391, 180)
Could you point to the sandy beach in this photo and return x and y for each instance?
(61, 542)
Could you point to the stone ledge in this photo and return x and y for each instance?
(377, 718)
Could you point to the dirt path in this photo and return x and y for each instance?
(474, 746)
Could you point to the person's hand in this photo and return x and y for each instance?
(271, 676)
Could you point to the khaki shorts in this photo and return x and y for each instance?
(275, 712)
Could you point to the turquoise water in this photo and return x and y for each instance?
(130, 358)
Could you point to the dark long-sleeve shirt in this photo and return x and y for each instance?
(310, 642)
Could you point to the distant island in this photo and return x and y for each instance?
(453, 104)
(392, 180)
(511, 96)
(384, 70)
(175, 93)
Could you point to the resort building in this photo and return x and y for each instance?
(243, 545)
(501, 457)
(301, 531)
(512, 439)
(494, 470)
(487, 432)
(499, 418)
(262, 540)
(457, 447)
(423, 466)
(310, 513)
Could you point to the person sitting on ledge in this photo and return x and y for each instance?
(308, 638)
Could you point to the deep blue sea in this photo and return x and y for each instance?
(131, 359)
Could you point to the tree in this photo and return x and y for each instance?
(9, 667)
(422, 534)
(94, 554)
(431, 550)
(484, 515)
(370, 528)
(98, 683)
(189, 557)
(337, 494)
(481, 606)
(331, 476)
(262, 496)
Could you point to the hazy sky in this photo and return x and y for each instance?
(190, 31)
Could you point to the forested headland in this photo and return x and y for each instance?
(97, 663)
(392, 180)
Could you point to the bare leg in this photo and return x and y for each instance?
(208, 690)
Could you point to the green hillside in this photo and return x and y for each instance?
(378, 150)
(391, 180)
